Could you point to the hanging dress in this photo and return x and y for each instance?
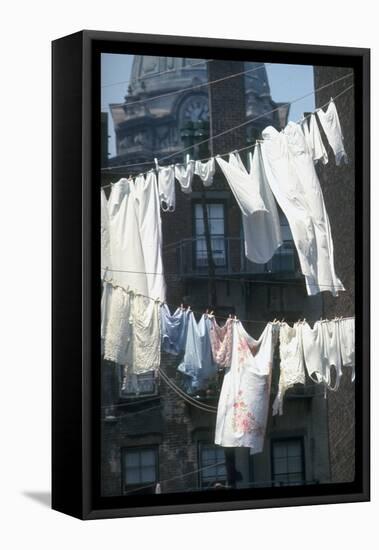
(244, 399)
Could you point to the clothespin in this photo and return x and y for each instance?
(211, 313)
(156, 164)
(181, 306)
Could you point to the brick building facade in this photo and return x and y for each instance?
(157, 437)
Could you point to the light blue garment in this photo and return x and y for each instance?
(198, 364)
(173, 330)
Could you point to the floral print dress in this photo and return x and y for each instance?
(245, 393)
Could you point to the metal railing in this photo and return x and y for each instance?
(229, 258)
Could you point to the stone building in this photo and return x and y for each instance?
(158, 437)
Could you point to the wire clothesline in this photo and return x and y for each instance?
(189, 88)
(262, 115)
(160, 73)
(253, 321)
(237, 279)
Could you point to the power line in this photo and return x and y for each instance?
(189, 88)
(158, 74)
(262, 115)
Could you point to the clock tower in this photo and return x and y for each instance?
(155, 116)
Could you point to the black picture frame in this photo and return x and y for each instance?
(76, 263)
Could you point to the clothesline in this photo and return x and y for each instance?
(189, 88)
(207, 277)
(158, 74)
(252, 321)
(262, 115)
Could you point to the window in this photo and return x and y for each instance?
(216, 222)
(212, 465)
(139, 385)
(288, 461)
(140, 469)
(284, 259)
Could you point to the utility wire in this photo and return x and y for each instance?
(189, 88)
(159, 74)
(262, 115)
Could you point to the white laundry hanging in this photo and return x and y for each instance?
(184, 175)
(104, 235)
(264, 227)
(332, 352)
(260, 219)
(119, 327)
(293, 180)
(106, 298)
(127, 265)
(347, 341)
(244, 399)
(136, 236)
(314, 140)
(166, 186)
(206, 171)
(291, 363)
(330, 123)
(146, 335)
(322, 351)
(150, 229)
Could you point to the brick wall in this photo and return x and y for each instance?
(338, 186)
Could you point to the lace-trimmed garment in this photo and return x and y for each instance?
(104, 236)
(146, 335)
(119, 328)
(291, 363)
(244, 399)
(222, 342)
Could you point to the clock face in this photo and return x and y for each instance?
(195, 108)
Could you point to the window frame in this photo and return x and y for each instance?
(200, 447)
(287, 439)
(209, 201)
(138, 488)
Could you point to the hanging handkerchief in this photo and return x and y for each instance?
(331, 125)
(206, 170)
(184, 175)
(166, 186)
